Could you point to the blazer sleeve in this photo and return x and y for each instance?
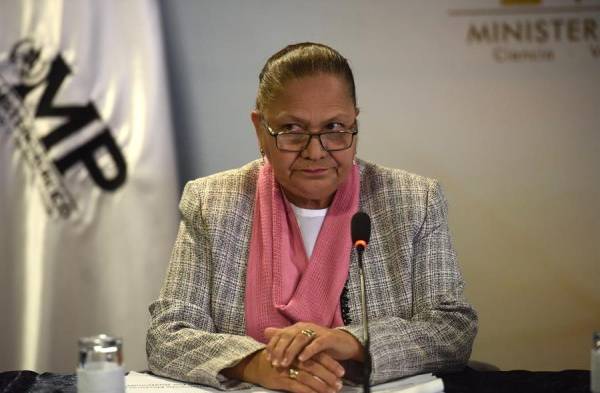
(182, 342)
(440, 334)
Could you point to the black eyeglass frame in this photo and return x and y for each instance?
(352, 132)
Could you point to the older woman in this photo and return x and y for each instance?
(263, 286)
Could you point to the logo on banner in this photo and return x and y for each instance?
(30, 89)
(519, 31)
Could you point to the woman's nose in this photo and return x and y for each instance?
(314, 150)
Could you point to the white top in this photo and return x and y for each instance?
(310, 222)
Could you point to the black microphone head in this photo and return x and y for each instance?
(360, 229)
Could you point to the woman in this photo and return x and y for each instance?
(263, 287)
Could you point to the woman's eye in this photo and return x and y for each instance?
(292, 128)
(336, 127)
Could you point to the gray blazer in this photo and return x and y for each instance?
(419, 318)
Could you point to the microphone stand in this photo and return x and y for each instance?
(363, 301)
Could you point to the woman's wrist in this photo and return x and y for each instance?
(245, 370)
(358, 350)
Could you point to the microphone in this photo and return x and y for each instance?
(360, 229)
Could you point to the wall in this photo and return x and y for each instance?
(510, 126)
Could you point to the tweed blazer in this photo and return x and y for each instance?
(419, 318)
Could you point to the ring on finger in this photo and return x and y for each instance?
(308, 333)
(293, 373)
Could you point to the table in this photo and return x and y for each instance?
(466, 381)
(517, 381)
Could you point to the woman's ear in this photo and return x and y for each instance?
(256, 118)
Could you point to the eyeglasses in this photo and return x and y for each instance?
(297, 141)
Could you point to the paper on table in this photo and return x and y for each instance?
(146, 383)
(424, 383)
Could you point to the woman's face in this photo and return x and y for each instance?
(315, 103)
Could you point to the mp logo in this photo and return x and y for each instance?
(25, 72)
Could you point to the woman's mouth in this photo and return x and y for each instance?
(314, 171)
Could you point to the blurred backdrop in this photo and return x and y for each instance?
(498, 99)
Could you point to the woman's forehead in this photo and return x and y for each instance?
(321, 95)
(321, 116)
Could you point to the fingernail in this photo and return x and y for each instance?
(338, 385)
(284, 363)
(302, 358)
(341, 372)
(268, 357)
(275, 363)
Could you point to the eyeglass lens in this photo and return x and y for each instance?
(329, 141)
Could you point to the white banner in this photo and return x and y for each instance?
(88, 189)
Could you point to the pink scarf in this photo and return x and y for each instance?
(282, 286)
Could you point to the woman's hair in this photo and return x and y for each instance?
(297, 61)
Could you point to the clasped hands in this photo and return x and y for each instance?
(302, 358)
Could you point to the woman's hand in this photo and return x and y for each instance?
(319, 375)
(303, 341)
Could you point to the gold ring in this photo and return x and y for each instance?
(293, 373)
(308, 333)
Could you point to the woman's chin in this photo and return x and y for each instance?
(311, 199)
